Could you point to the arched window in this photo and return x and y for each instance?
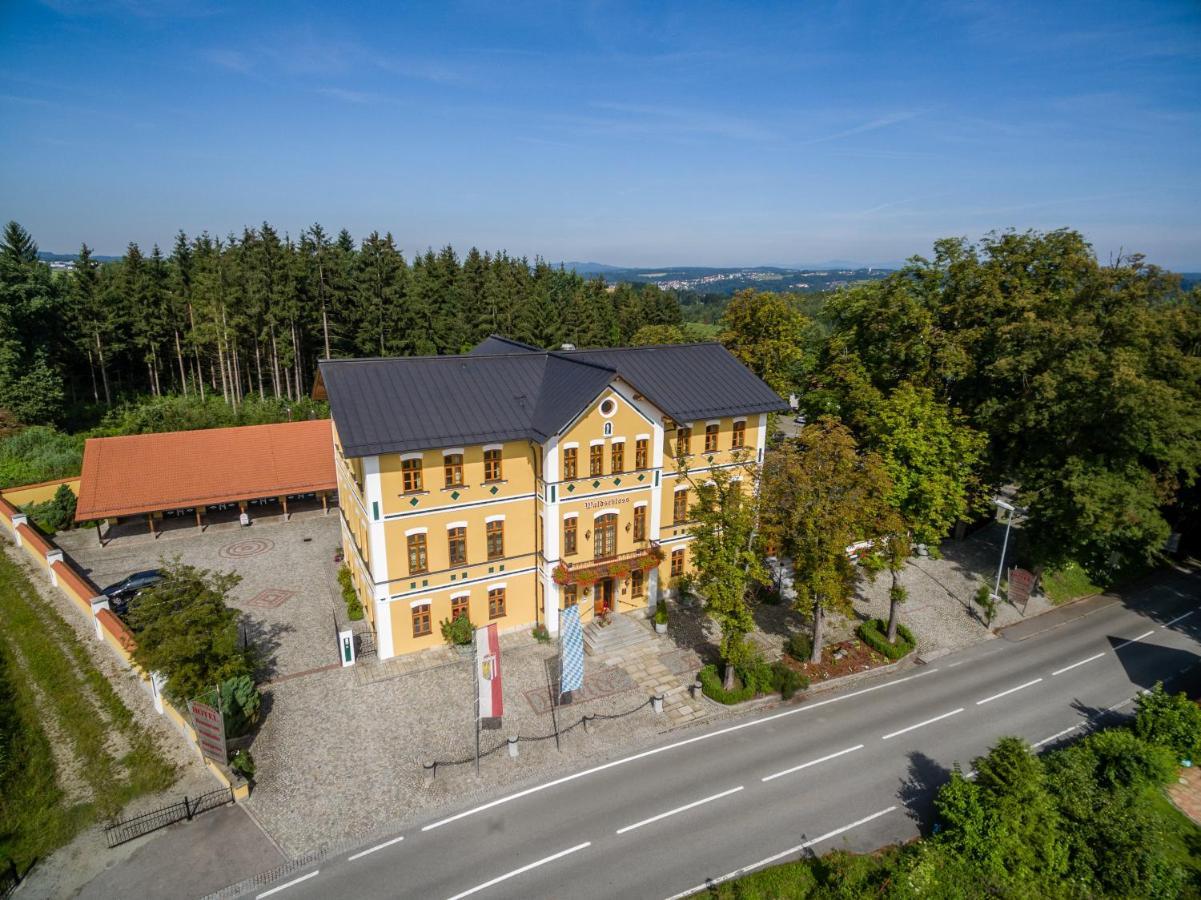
(604, 536)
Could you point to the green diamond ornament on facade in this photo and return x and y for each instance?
(571, 488)
(454, 495)
(616, 481)
(413, 502)
(642, 477)
(596, 484)
(494, 489)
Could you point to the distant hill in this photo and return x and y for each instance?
(46, 256)
(715, 280)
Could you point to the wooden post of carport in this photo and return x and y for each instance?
(324, 502)
(199, 521)
(150, 522)
(284, 502)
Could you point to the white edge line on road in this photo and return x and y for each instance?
(1178, 618)
(541, 862)
(713, 882)
(395, 840)
(288, 884)
(692, 740)
(679, 809)
(1134, 640)
(1012, 690)
(1073, 665)
(813, 762)
(1056, 736)
(945, 715)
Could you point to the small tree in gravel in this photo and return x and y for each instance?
(728, 569)
(186, 631)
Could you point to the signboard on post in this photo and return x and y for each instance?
(210, 730)
(571, 651)
(487, 672)
(1021, 583)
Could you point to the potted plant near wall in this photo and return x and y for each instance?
(459, 633)
(661, 616)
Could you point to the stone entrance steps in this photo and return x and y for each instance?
(620, 633)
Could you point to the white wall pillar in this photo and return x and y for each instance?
(19, 519)
(552, 528)
(99, 603)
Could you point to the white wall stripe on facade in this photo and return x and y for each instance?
(458, 585)
(458, 506)
(378, 553)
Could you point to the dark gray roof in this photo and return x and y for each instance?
(505, 390)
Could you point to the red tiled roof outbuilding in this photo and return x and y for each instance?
(144, 473)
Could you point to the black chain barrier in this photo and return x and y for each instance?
(583, 720)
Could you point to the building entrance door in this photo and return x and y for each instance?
(602, 601)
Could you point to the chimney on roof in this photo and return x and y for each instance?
(567, 347)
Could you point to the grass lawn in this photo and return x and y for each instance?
(71, 753)
(1184, 839)
(1068, 583)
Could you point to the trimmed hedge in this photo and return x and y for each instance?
(874, 633)
(761, 678)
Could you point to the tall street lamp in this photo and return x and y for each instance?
(1006, 505)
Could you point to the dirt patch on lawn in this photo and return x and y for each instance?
(843, 658)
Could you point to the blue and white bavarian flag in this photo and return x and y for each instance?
(571, 650)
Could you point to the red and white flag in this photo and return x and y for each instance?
(487, 663)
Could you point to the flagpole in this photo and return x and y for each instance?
(556, 696)
(475, 662)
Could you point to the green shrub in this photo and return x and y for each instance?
(39, 453)
(874, 633)
(711, 687)
(661, 612)
(354, 607)
(541, 635)
(987, 603)
(1169, 720)
(787, 680)
(458, 631)
(56, 514)
(799, 646)
(240, 702)
(1124, 760)
(242, 763)
(177, 413)
(756, 673)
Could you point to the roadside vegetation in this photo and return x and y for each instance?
(71, 753)
(1089, 820)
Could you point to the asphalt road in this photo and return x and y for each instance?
(853, 769)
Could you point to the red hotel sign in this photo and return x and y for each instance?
(210, 730)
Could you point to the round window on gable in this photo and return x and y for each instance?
(608, 407)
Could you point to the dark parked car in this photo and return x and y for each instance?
(122, 592)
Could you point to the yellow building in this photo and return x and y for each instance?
(510, 482)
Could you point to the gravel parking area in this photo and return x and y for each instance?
(287, 589)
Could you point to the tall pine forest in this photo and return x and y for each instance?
(248, 316)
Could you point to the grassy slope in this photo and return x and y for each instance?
(38, 648)
(1068, 583)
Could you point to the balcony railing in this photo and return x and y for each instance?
(591, 571)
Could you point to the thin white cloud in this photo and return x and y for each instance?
(871, 125)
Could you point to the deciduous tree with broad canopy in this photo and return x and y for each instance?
(821, 494)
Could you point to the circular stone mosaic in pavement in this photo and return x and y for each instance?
(246, 548)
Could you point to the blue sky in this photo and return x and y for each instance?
(633, 134)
